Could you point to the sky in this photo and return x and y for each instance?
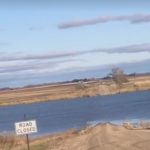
(49, 41)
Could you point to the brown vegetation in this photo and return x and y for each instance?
(7, 142)
(60, 91)
(100, 137)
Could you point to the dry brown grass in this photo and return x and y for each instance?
(137, 126)
(8, 142)
(70, 91)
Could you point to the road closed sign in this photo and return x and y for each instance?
(26, 127)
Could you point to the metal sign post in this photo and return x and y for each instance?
(27, 136)
(28, 144)
(26, 127)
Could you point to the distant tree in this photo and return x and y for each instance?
(75, 80)
(118, 76)
(6, 88)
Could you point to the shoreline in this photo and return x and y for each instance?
(72, 90)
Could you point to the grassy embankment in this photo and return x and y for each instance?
(72, 90)
(104, 136)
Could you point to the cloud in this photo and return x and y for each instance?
(16, 65)
(124, 49)
(133, 19)
(32, 67)
(24, 79)
(37, 57)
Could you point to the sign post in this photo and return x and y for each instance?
(28, 141)
(25, 128)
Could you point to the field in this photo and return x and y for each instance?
(60, 91)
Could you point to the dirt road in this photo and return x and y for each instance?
(101, 137)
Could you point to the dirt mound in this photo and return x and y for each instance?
(105, 137)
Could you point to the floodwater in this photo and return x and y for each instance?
(57, 116)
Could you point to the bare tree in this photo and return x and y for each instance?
(118, 76)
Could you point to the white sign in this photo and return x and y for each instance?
(26, 127)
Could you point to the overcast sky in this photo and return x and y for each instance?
(49, 41)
